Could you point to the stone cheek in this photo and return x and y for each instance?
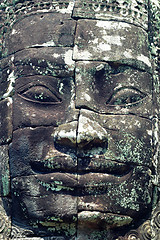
(46, 204)
(38, 153)
(124, 138)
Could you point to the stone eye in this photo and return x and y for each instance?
(40, 94)
(126, 96)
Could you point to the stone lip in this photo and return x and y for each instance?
(82, 183)
(96, 218)
(81, 166)
(100, 180)
(101, 164)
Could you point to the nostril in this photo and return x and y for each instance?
(100, 144)
(92, 148)
(65, 138)
(64, 145)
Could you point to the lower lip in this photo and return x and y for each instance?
(77, 182)
(107, 220)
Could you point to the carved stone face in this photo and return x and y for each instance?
(81, 149)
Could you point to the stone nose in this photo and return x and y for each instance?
(84, 137)
(91, 137)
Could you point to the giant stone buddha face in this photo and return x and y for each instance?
(80, 156)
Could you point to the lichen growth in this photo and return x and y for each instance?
(56, 186)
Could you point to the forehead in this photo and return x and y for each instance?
(41, 30)
(89, 39)
(110, 41)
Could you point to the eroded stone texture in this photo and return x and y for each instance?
(47, 61)
(108, 41)
(128, 11)
(30, 32)
(4, 171)
(83, 164)
(5, 219)
(46, 203)
(6, 77)
(6, 120)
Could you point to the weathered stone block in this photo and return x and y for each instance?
(5, 219)
(30, 32)
(108, 41)
(55, 62)
(4, 171)
(6, 77)
(6, 120)
(131, 12)
(47, 203)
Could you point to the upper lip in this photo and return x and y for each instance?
(99, 169)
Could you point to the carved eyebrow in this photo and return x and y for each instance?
(38, 62)
(137, 64)
(116, 67)
(43, 67)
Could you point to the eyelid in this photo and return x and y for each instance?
(121, 94)
(46, 93)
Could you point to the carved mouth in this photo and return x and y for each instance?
(80, 179)
(81, 166)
